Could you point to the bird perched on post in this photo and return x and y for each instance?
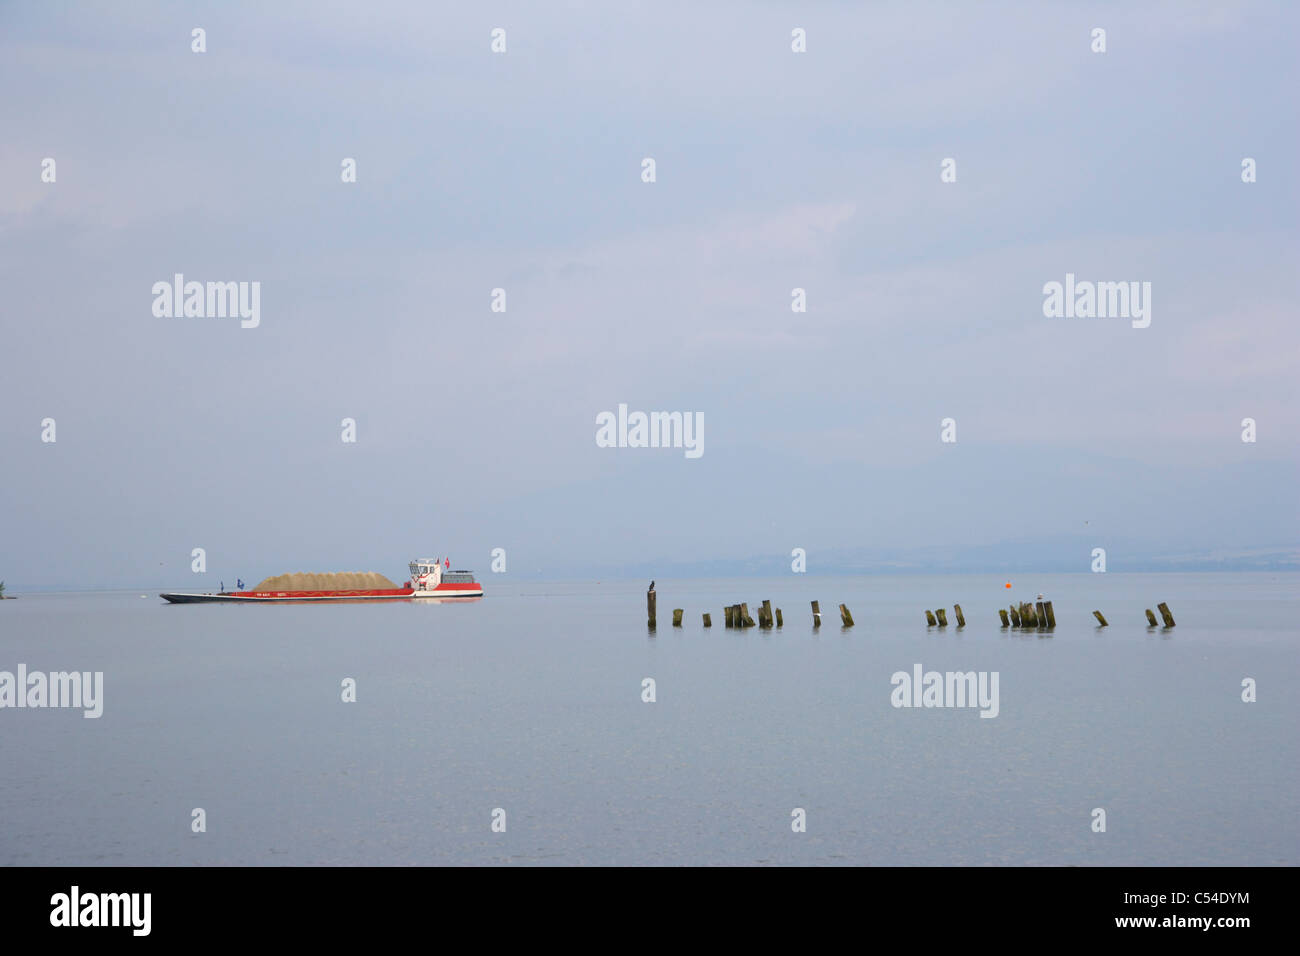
(652, 585)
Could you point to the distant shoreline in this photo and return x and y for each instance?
(671, 574)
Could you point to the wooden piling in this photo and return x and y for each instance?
(765, 615)
(1151, 618)
(817, 613)
(745, 619)
(1051, 615)
(708, 621)
(929, 619)
(845, 617)
(677, 617)
(1015, 617)
(1100, 618)
(1040, 614)
(1164, 613)
(942, 615)
(650, 609)
(1006, 621)
(961, 618)
(779, 622)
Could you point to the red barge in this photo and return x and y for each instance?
(429, 581)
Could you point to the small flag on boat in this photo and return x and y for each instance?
(448, 564)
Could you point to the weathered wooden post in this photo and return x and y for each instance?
(1051, 615)
(765, 615)
(845, 617)
(1151, 618)
(1040, 614)
(779, 622)
(650, 609)
(1164, 613)
(961, 618)
(1015, 616)
(708, 621)
(745, 619)
(817, 613)
(677, 617)
(929, 619)
(942, 615)
(1100, 619)
(1006, 622)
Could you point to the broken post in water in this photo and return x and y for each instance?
(745, 619)
(765, 615)
(1151, 618)
(929, 619)
(1051, 615)
(650, 608)
(779, 622)
(1040, 614)
(1006, 622)
(1164, 613)
(942, 615)
(1015, 617)
(1100, 619)
(845, 617)
(677, 617)
(708, 621)
(961, 618)
(817, 613)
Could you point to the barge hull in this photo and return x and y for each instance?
(300, 597)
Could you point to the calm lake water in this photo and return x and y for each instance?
(531, 701)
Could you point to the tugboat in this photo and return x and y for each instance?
(428, 581)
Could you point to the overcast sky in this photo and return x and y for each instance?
(523, 170)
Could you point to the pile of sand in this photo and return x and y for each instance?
(344, 581)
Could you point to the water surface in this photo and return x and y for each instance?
(531, 701)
